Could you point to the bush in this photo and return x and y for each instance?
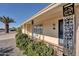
(21, 40)
(31, 47)
(38, 49)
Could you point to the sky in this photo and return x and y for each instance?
(19, 11)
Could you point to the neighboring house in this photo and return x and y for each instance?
(57, 24)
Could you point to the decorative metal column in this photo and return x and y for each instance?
(69, 29)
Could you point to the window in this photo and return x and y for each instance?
(38, 29)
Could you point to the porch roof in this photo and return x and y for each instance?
(51, 6)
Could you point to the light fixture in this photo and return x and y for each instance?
(53, 26)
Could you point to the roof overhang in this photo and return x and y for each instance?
(51, 6)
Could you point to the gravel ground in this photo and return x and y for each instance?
(8, 45)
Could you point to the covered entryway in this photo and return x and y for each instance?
(61, 32)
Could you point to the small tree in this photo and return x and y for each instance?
(6, 21)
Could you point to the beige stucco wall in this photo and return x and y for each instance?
(50, 34)
(29, 29)
(77, 29)
(23, 29)
(47, 20)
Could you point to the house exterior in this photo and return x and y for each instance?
(58, 24)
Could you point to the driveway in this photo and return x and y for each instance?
(8, 45)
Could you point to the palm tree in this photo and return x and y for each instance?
(6, 21)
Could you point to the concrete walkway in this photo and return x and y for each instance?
(4, 36)
(8, 45)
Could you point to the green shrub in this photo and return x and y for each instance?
(29, 50)
(21, 40)
(38, 49)
(31, 47)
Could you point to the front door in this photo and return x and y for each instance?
(60, 32)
